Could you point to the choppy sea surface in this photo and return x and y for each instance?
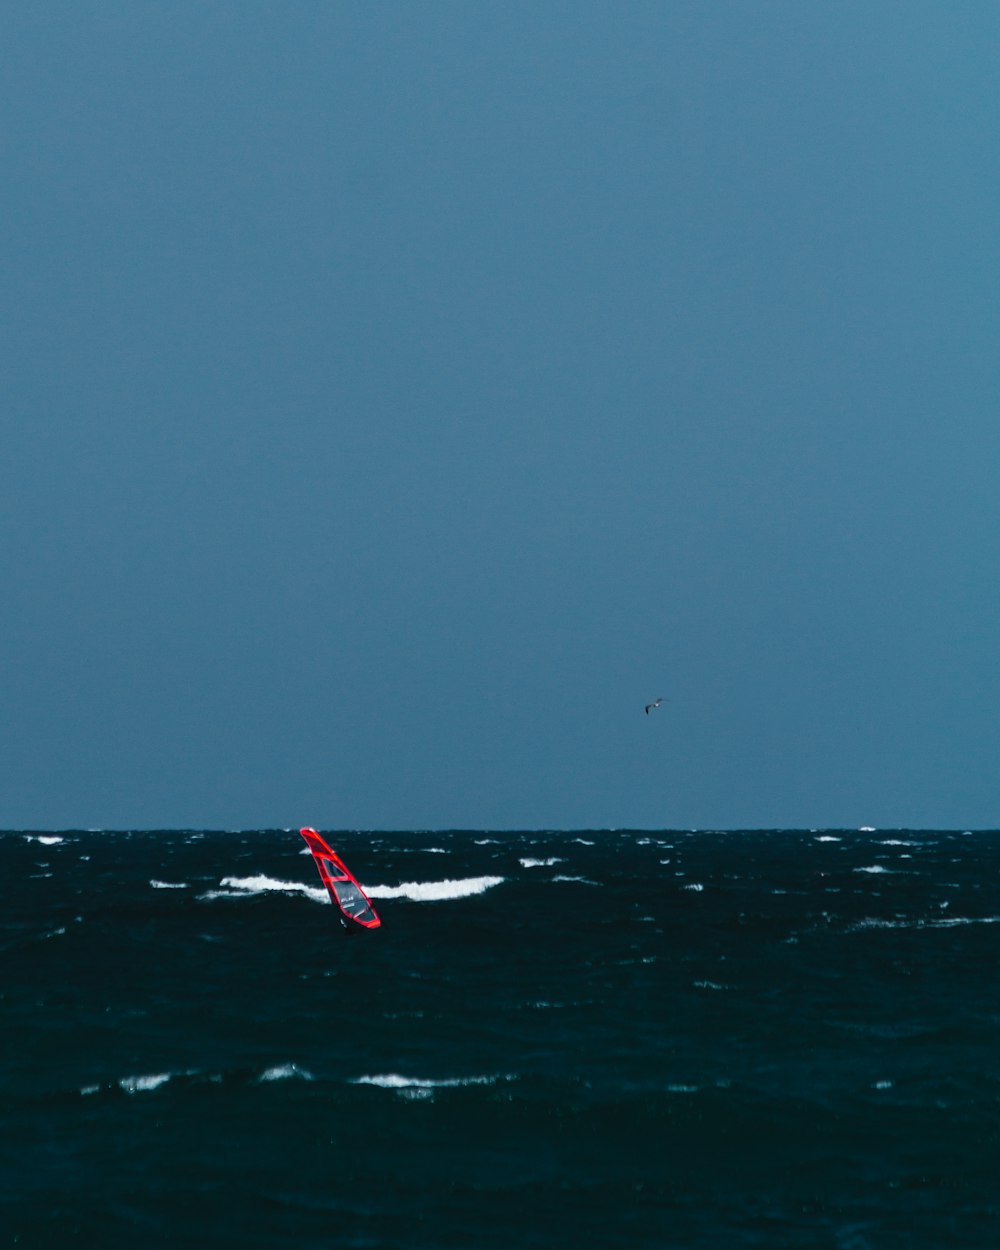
(596, 1038)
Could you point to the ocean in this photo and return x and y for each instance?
(603, 1038)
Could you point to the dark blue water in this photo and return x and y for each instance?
(555, 1039)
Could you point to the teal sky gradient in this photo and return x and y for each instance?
(398, 396)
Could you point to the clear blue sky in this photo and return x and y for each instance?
(397, 396)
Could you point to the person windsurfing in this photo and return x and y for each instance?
(356, 910)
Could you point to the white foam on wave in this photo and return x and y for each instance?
(434, 891)
(945, 922)
(951, 921)
(46, 839)
(143, 1084)
(827, 837)
(540, 863)
(876, 868)
(285, 1072)
(419, 1087)
(169, 885)
(247, 887)
(695, 886)
(896, 842)
(579, 880)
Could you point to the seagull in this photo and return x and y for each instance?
(655, 703)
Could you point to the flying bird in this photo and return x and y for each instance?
(655, 703)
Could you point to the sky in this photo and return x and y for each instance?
(397, 397)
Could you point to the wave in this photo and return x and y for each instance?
(434, 891)
(540, 863)
(247, 887)
(133, 1084)
(415, 891)
(419, 1087)
(169, 885)
(286, 1072)
(407, 1086)
(949, 922)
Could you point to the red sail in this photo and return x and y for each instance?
(343, 888)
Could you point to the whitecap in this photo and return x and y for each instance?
(867, 829)
(418, 1087)
(46, 839)
(393, 1080)
(143, 1084)
(872, 868)
(950, 922)
(579, 880)
(944, 922)
(169, 885)
(882, 1085)
(827, 837)
(285, 1072)
(694, 886)
(247, 887)
(433, 891)
(540, 863)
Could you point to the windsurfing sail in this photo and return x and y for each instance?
(340, 883)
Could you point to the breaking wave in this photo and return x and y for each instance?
(246, 887)
(434, 891)
(417, 1087)
(415, 891)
